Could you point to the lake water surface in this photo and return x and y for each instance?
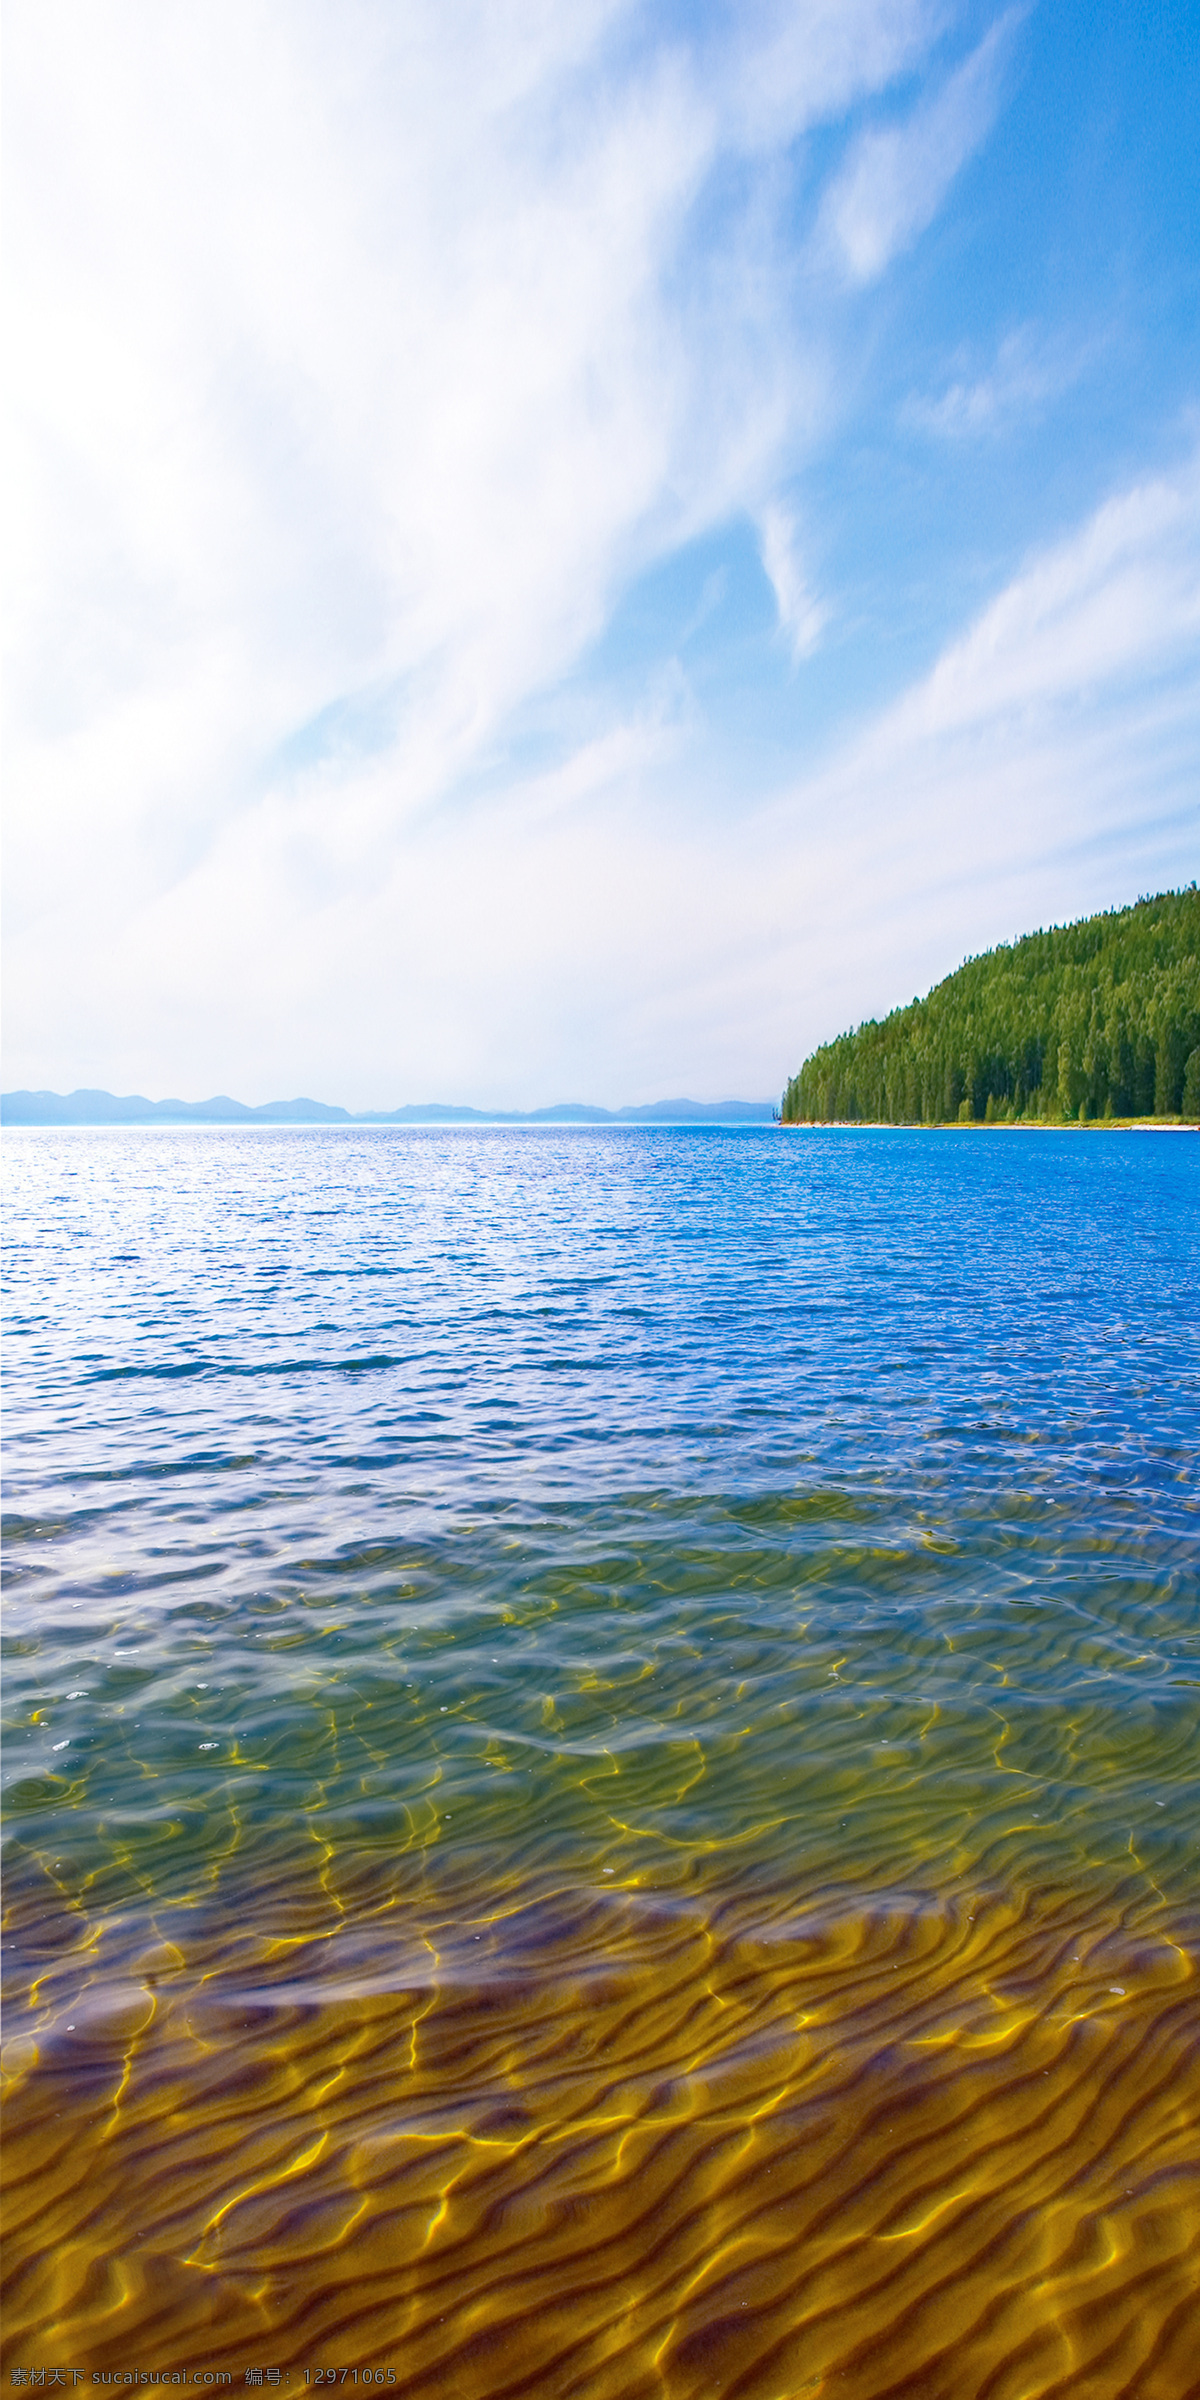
(602, 1777)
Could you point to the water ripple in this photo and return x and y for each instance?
(601, 1760)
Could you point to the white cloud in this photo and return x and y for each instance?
(1118, 599)
(895, 177)
(1049, 763)
(1028, 370)
(586, 933)
(366, 354)
(810, 59)
(801, 616)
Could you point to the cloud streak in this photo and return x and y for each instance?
(1028, 371)
(895, 177)
(581, 933)
(370, 356)
(372, 365)
(801, 617)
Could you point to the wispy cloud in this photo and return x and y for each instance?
(801, 615)
(894, 177)
(588, 931)
(368, 356)
(373, 362)
(1118, 599)
(808, 60)
(1049, 761)
(1029, 369)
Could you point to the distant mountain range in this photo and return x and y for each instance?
(104, 1108)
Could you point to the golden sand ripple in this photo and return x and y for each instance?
(595, 2146)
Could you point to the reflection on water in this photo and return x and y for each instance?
(601, 1763)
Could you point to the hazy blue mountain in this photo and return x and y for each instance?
(105, 1108)
(700, 1112)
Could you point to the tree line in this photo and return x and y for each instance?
(1100, 1018)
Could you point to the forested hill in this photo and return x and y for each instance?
(1088, 1020)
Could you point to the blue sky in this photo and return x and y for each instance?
(573, 553)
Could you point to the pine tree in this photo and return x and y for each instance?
(1096, 1019)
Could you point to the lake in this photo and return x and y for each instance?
(602, 1766)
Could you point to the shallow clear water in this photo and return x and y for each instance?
(602, 1767)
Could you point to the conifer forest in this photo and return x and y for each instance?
(1092, 1020)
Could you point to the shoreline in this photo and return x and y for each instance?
(980, 1125)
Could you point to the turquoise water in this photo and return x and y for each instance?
(494, 1528)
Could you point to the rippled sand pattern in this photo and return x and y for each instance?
(617, 2144)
